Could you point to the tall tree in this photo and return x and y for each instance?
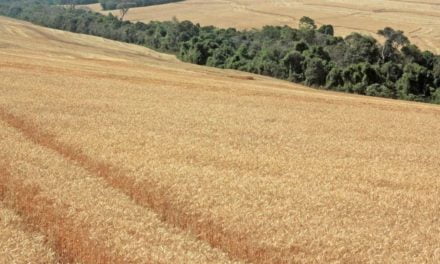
(327, 29)
(124, 6)
(315, 73)
(306, 23)
(394, 40)
(293, 62)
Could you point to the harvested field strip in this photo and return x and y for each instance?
(17, 243)
(84, 219)
(366, 16)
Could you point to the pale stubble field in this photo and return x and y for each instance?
(419, 19)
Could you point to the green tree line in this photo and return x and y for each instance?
(309, 54)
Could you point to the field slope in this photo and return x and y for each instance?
(416, 18)
(115, 153)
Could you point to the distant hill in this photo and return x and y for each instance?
(416, 18)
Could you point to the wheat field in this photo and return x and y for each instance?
(418, 18)
(113, 153)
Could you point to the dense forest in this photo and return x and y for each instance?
(309, 54)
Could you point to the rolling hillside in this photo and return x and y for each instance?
(416, 18)
(113, 153)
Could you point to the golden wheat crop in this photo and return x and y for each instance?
(18, 244)
(367, 16)
(120, 154)
(87, 220)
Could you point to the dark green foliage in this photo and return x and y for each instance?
(391, 72)
(334, 79)
(306, 23)
(354, 64)
(436, 72)
(394, 40)
(268, 61)
(327, 29)
(301, 46)
(379, 90)
(294, 63)
(315, 73)
(416, 83)
(352, 77)
(360, 48)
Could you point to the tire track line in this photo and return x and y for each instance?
(72, 243)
